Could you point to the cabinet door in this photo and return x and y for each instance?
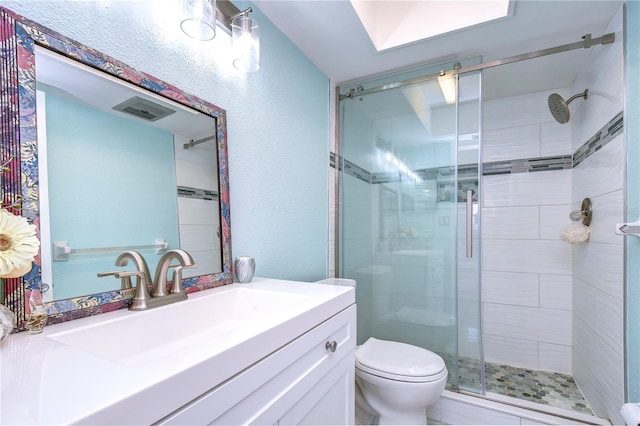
(266, 391)
(330, 402)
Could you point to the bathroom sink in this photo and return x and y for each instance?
(217, 321)
(146, 365)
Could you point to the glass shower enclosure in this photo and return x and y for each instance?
(410, 222)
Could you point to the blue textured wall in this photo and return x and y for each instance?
(83, 212)
(278, 119)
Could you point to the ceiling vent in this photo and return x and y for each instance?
(143, 108)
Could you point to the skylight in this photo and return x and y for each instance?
(393, 23)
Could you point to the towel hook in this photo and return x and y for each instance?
(584, 214)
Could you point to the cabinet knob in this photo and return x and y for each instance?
(331, 346)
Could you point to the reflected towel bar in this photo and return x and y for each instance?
(62, 250)
(193, 143)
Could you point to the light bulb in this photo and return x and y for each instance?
(246, 43)
(199, 19)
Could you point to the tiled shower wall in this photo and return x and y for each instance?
(198, 227)
(598, 265)
(526, 271)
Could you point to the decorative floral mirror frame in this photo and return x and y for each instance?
(19, 151)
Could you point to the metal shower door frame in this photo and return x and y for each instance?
(586, 43)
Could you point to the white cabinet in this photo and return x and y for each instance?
(303, 382)
(329, 402)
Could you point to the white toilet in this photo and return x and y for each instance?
(397, 381)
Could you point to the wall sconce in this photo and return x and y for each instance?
(200, 18)
(246, 42)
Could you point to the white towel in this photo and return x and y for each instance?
(631, 414)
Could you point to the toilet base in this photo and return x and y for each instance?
(365, 415)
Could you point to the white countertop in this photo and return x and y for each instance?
(44, 381)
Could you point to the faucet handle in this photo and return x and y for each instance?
(141, 296)
(160, 286)
(176, 286)
(125, 283)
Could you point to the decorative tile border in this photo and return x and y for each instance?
(602, 137)
(333, 157)
(466, 172)
(526, 165)
(523, 165)
(197, 193)
(385, 177)
(356, 171)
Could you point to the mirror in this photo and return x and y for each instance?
(159, 182)
(138, 171)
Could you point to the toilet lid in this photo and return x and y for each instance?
(405, 362)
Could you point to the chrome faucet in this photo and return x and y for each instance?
(160, 283)
(138, 261)
(140, 264)
(142, 300)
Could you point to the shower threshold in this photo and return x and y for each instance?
(465, 407)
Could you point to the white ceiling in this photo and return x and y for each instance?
(331, 35)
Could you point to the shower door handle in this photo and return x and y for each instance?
(469, 223)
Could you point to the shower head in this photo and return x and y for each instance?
(560, 108)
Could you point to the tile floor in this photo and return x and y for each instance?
(543, 387)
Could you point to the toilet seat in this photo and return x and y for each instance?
(399, 361)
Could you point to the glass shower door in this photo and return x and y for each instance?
(403, 220)
(469, 174)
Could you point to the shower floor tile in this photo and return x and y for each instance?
(543, 387)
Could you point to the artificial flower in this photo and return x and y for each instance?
(18, 243)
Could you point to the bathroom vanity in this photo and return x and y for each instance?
(269, 352)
